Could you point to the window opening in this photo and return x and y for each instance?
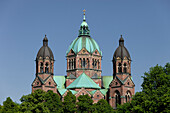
(120, 68)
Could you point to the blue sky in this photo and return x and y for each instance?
(145, 26)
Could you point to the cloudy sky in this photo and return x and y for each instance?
(145, 26)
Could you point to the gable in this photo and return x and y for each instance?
(83, 81)
(83, 51)
(36, 82)
(96, 52)
(71, 76)
(98, 94)
(115, 82)
(82, 91)
(95, 76)
(128, 82)
(50, 82)
(71, 52)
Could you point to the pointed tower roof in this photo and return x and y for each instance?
(121, 51)
(83, 81)
(45, 51)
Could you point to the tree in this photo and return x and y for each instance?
(9, 106)
(53, 102)
(84, 104)
(155, 94)
(34, 102)
(0, 108)
(102, 106)
(69, 104)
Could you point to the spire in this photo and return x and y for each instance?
(45, 41)
(84, 19)
(121, 41)
(84, 27)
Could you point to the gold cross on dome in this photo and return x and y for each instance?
(84, 11)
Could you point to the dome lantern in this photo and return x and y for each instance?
(84, 30)
(121, 41)
(45, 41)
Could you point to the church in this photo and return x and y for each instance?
(84, 73)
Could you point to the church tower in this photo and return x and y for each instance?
(122, 87)
(84, 56)
(44, 69)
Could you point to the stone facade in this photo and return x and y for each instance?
(84, 71)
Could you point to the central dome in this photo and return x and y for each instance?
(84, 40)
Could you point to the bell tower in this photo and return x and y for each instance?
(122, 87)
(44, 69)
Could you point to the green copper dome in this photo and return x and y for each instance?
(84, 40)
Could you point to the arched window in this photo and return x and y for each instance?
(127, 96)
(117, 98)
(98, 64)
(41, 68)
(120, 68)
(74, 63)
(80, 63)
(46, 68)
(88, 63)
(69, 64)
(84, 63)
(125, 68)
(95, 63)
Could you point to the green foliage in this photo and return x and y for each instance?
(155, 94)
(102, 106)
(84, 104)
(0, 108)
(125, 108)
(69, 104)
(9, 106)
(34, 102)
(53, 102)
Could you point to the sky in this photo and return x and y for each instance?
(145, 26)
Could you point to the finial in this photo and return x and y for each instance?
(84, 19)
(84, 11)
(45, 35)
(121, 41)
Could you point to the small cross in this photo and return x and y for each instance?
(84, 11)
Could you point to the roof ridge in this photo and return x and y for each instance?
(83, 81)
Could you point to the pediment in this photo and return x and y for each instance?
(95, 76)
(115, 82)
(98, 94)
(71, 52)
(128, 82)
(96, 52)
(71, 76)
(82, 91)
(50, 82)
(37, 82)
(83, 51)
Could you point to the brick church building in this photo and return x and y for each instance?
(84, 73)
